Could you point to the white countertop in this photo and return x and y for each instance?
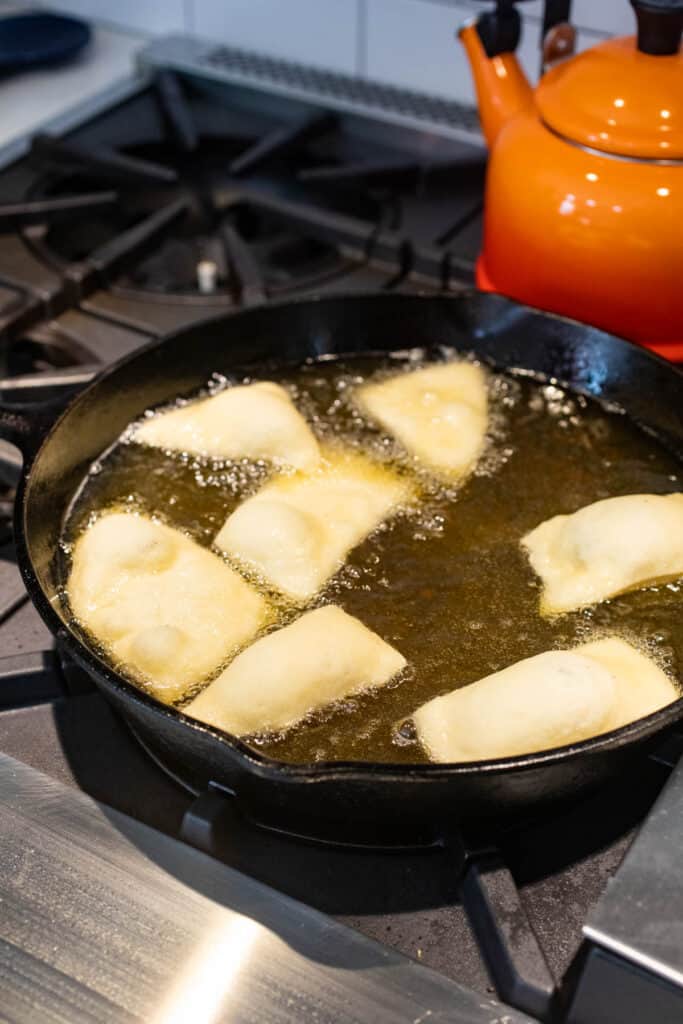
(57, 97)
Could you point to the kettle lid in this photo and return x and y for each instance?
(624, 96)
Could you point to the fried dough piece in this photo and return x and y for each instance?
(606, 548)
(547, 701)
(249, 421)
(323, 656)
(297, 530)
(438, 413)
(166, 609)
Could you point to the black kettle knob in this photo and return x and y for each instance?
(660, 26)
(500, 29)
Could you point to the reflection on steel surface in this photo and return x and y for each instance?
(212, 973)
(103, 919)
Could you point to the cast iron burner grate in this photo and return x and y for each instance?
(150, 215)
(205, 189)
(200, 173)
(185, 206)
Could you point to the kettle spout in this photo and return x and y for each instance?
(501, 86)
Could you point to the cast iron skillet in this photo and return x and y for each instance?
(500, 332)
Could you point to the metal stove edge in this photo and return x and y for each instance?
(76, 115)
(640, 915)
(348, 94)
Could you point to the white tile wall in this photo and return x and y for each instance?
(140, 15)
(406, 42)
(614, 17)
(412, 43)
(322, 32)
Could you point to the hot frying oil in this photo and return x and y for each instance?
(446, 582)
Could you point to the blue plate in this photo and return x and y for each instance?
(30, 40)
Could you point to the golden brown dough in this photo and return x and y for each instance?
(249, 421)
(550, 700)
(297, 530)
(606, 548)
(438, 413)
(167, 609)
(323, 656)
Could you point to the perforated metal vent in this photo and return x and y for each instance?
(343, 91)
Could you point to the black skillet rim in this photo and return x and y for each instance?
(260, 764)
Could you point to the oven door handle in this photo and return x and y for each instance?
(28, 407)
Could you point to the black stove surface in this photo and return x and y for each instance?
(173, 206)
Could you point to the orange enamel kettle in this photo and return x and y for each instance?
(584, 192)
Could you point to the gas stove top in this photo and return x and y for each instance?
(190, 197)
(208, 190)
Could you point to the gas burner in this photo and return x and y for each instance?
(288, 258)
(177, 204)
(191, 260)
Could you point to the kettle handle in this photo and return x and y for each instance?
(499, 30)
(555, 12)
(558, 38)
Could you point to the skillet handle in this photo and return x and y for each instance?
(498, 918)
(16, 437)
(28, 408)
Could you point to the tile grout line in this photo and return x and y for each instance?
(188, 16)
(362, 38)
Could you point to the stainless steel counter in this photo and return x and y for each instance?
(57, 97)
(103, 919)
(640, 916)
